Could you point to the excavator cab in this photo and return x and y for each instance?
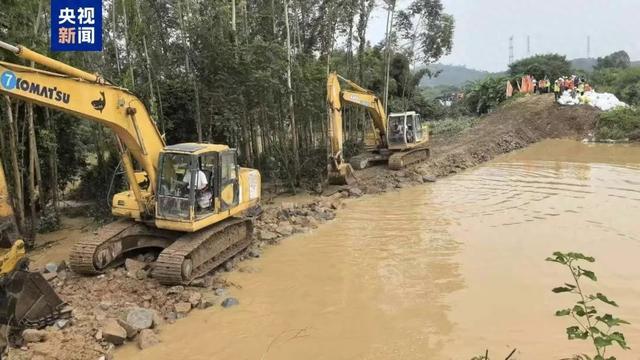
(405, 130)
(196, 181)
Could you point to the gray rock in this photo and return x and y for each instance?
(267, 235)
(133, 266)
(285, 229)
(112, 332)
(356, 192)
(157, 320)
(254, 253)
(199, 282)
(34, 336)
(175, 290)
(51, 267)
(62, 275)
(105, 305)
(141, 274)
(220, 291)
(195, 298)
(429, 178)
(171, 317)
(50, 276)
(147, 338)
(208, 300)
(131, 331)
(228, 266)
(336, 204)
(182, 307)
(229, 302)
(140, 318)
(62, 323)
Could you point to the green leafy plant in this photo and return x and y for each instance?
(591, 323)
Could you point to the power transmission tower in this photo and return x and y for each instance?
(511, 50)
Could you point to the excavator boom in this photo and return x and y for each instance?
(90, 97)
(197, 224)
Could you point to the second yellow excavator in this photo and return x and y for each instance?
(26, 298)
(399, 139)
(187, 200)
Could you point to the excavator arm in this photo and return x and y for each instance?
(340, 172)
(92, 98)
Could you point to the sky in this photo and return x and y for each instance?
(483, 28)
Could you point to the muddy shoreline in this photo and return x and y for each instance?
(120, 291)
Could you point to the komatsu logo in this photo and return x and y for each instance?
(10, 81)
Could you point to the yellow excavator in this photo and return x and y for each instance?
(399, 139)
(190, 201)
(26, 298)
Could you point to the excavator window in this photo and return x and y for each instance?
(205, 196)
(397, 129)
(417, 121)
(229, 187)
(176, 182)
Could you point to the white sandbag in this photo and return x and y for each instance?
(603, 101)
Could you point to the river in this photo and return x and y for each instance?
(439, 271)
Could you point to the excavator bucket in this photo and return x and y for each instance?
(28, 301)
(342, 175)
(26, 298)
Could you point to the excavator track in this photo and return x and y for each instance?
(194, 255)
(366, 160)
(82, 253)
(94, 255)
(400, 160)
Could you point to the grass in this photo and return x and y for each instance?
(452, 126)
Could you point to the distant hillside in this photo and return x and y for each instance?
(584, 64)
(452, 75)
(458, 75)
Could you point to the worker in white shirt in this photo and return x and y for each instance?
(203, 191)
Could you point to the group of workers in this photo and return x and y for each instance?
(574, 84)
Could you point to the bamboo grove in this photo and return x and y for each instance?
(248, 73)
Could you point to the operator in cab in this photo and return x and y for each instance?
(203, 190)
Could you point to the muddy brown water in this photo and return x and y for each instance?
(440, 271)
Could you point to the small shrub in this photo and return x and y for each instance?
(49, 220)
(590, 323)
(621, 123)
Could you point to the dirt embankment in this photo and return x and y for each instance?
(514, 126)
(103, 304)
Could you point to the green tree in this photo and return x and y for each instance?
(485, 95)
(619, 60)
(552, 66)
